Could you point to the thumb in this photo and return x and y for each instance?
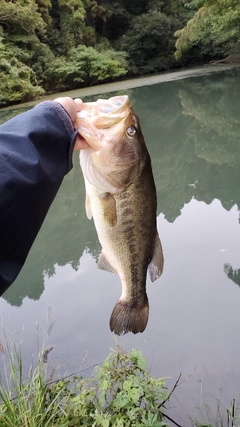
(79, 104)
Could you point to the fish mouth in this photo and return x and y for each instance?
(98, 121)
(103, 106)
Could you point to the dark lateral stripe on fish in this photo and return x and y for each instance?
(129, 318)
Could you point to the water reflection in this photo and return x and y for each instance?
(195, 127)
(191, 128)
(233, 274)
(192, 131)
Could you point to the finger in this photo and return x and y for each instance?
(79, 104)
(80, 143)
(69, 105)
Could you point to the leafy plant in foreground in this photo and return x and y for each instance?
(120, 393)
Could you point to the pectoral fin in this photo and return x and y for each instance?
(108, 204)
(155, 267)
(103, 264)
(88, 206)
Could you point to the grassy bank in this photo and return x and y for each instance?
(120, 393)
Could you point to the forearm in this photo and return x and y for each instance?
(36, 152)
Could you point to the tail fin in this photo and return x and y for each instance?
(128, 317)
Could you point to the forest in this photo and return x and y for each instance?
(48, 46)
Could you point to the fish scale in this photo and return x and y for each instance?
(121, 199)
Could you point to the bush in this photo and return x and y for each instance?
(17, 82)
(150, 43)
(86, 65)
(121, 393)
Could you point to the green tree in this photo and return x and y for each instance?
(96, 14)
(44, 7)
(20, 17)
(20, 25)
(214, 31)
(87, 65)
(149, 43)
(66, 29)
(17, 80)
(116, 22)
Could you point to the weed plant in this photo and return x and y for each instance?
(121, 393)
(26, 402)
(222, 417)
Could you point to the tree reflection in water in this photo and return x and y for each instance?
(192, 130)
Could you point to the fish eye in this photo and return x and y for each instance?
(131, 131)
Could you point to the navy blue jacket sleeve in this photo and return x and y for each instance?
(35, 153)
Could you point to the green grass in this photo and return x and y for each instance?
(221, 417)
(120, 393)
(26, 401)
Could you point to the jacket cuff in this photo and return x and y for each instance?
(67, 121)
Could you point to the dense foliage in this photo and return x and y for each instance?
(214, 31)
(121, 393)
(52, 45)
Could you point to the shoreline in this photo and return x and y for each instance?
(166, 76)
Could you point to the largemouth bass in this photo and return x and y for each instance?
(121, 199)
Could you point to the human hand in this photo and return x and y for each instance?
(73, 107)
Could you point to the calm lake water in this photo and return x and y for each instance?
(192, 130)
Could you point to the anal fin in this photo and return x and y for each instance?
(103, 264)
